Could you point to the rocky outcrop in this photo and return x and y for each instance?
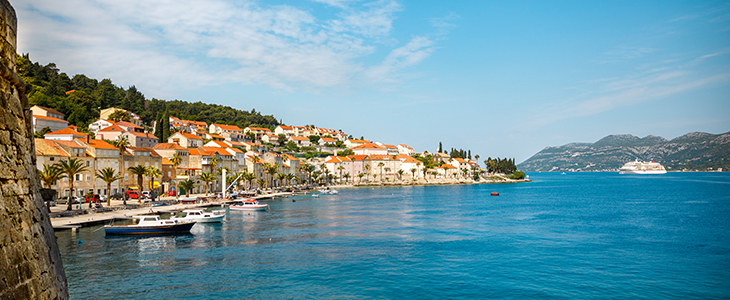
(30, 263)
(693, 151)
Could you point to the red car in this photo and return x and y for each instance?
(132, 194)
(171, 193)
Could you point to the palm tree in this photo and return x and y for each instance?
(361, 175)
(140, 171)
(271, 170)
(122, 143)
(187, 185)
(413, 173)
(69, 168)
(261, 182)
(367, 168)
(340, 168)
(380, 165)
(281, 177)
(176, 160)
(207, 177)
(108, 175)
(250, 177)
(400, 174)
(347, 177)
(49, 175)
(290, 177)
(152, 172)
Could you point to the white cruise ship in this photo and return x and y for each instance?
(641, 167)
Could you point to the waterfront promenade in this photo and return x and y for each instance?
(83, 216)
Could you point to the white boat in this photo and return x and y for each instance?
(201, 216)
(150, 225)
(642, 167)
(248, 204)
(329, 192)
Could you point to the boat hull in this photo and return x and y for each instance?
(216, 219)
(142, 230)
(643, 172)
(249, 207)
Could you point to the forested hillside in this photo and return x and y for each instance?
(80, 99)
(693, 151)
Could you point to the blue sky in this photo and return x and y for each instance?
(501, 78)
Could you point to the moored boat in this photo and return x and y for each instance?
(641, 167)
(201, 216)
(248, 204)
(150, 225)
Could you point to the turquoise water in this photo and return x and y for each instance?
(579, 235)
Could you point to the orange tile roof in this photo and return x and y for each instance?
(49, 118)
(71, 144)
(405, 146)
(152, 152)
(197, 123)
(99, 144)
(227, 127)
(369, 146)
(258, 128)
(124, 123)
(220, 144)
(289, 157)
(447, 166)
(357, 157)
(113, 128)
(198, 152)
(49, 147)
(299, 138)
(285, 127)
(390, 146)
(168, 146)
(218, 150)
(336, 159)
(234, 150)
(166, 161)
(380, 157)
(461, 160)
(213, 135)
(190, 136)
(66, 131)
(328, 139)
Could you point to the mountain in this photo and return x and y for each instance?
(692, 151)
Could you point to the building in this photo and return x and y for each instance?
(99, 125)
(355, 143)
(300, 141)
(257, 132)
(66, 134)
(221, 128)
(139, 139)
(370, 149)
(54, 124)
(270, 138)
(110, 133)
(134, 118)
(46, 112)
(185, 139)
(285, 130)
(405, 149)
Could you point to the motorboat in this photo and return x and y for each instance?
(494, 194)
(248, 204)
(151, 224)
(201, 216)
(641, 167)
(328, 192)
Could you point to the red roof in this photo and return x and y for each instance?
(49, 118)
(66, 131)
(227, 127)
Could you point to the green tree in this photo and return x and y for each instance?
(187, 185)
(69, 168)
(140, 171)
(153, 172)
(108, 175)
(49, 176)
(207, 177)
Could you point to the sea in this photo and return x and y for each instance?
(561, 236)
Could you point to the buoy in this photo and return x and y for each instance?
(495, 194)
(80, 241)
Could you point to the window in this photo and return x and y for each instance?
(52, 158)
(126, 176)
(78, 177)
(126, 165)
(169, 174)
(147, 164)
(88, 177)
(88, 163)
(156, 165)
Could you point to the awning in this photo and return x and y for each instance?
(156, 184)
(133, 187)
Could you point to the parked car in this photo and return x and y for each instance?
(64, 200)
(146, 194)
(172, 193)
(117, 196)
(132, 194)
(94, 198)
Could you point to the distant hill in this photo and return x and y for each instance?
(692, 151)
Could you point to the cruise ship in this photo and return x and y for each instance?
(641, 167)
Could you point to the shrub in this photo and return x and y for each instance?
(517, 175)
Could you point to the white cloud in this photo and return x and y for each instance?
(166, 45)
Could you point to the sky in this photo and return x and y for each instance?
(499, 78)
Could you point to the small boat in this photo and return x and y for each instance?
(315, 195)
(248, 204)
(150, 225)
(494, 194)
(201, 216)
(329, 192)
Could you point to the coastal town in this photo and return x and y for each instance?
(196, 155)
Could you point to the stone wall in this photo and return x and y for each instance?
(30, 263)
